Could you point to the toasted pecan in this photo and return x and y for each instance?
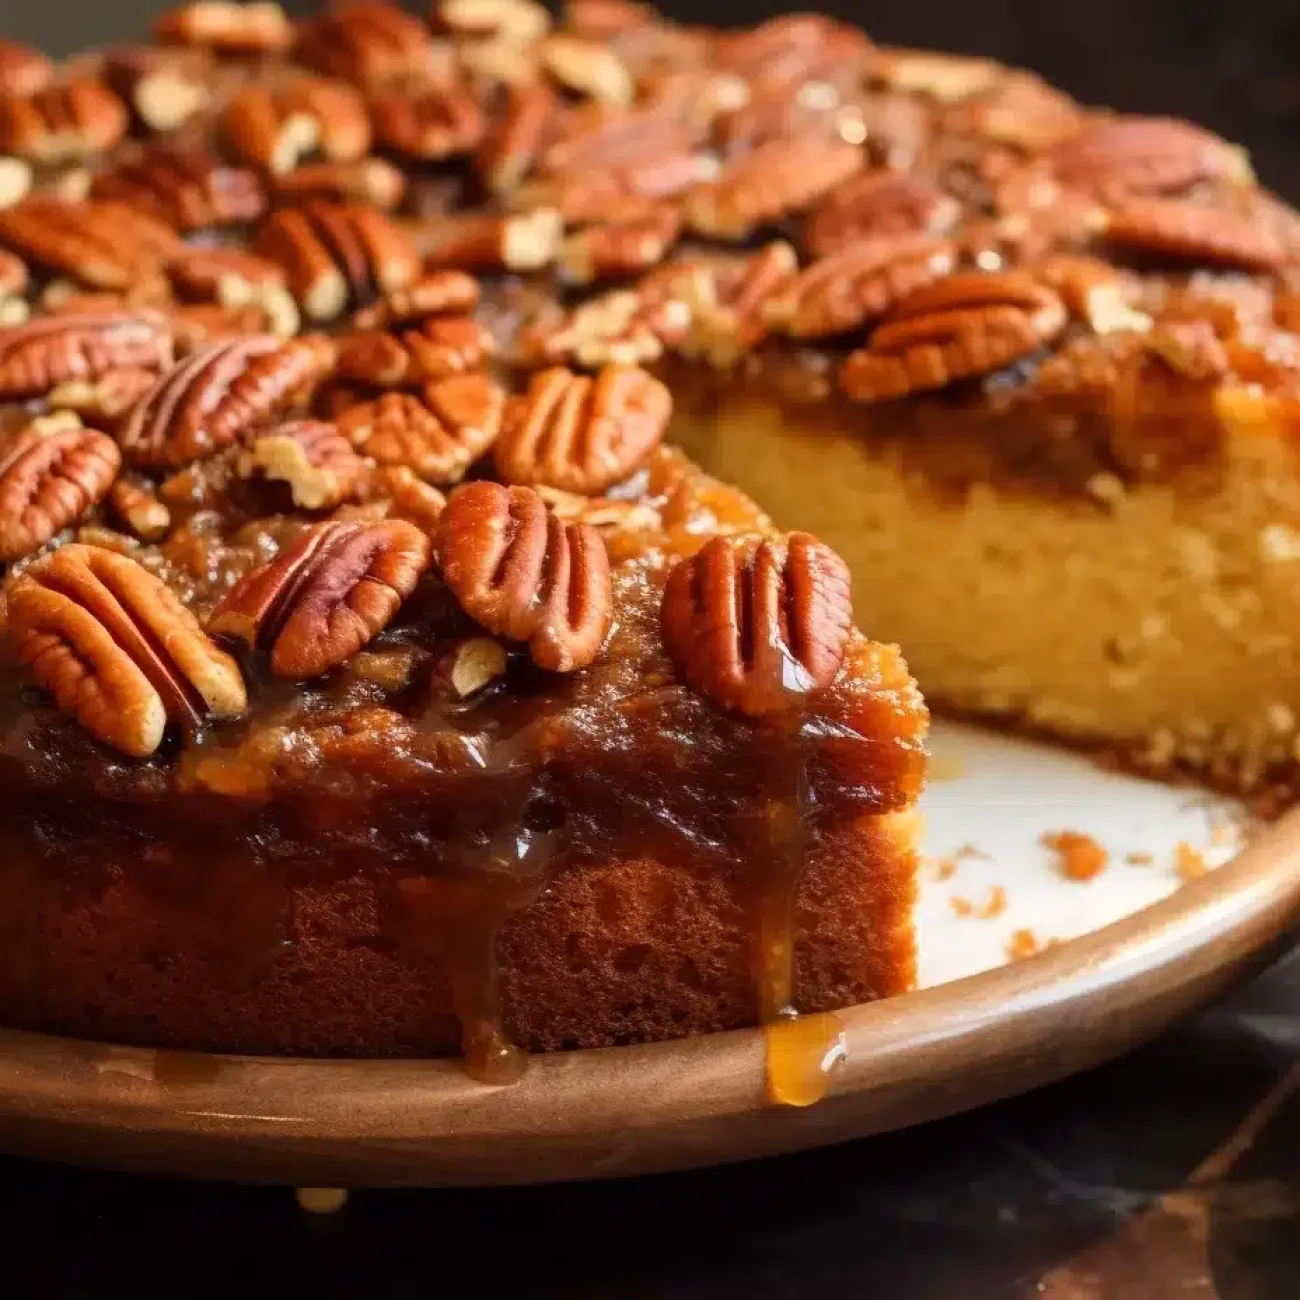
(37, 356)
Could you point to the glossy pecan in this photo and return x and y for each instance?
(758, 625)
(1189, 232)
(218, 396)
(227, 27)
(588, 67)
(428, 123)
(520, 22)
(511, 143)
(372, 181)
(49, 478)
(521, 573)
(313, 457)
(276, 127)
(402, 494)
(439, 293)
(582, 434)
(967, 325)
(860, 283)
(369, 42)
(105, 400)
(877, 203)
(595, 140)
(63, 123)
(163, 88)
(102, 245)
(328, 594)
(441, 346)
(206, 274)
(949, 78)
(620, 248)
(23, 70)
(438, 435)
(117, 649)
(188, 188)
(135, 501)
(520, 242)
(337, 255)
(50, 350)
(778, 178)
(794, 48)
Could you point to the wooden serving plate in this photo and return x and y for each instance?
(630, 1110)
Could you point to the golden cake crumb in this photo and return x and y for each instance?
(1139, 858)
(993, 906)
(1189, 862)
(1022, 943)
(1080, 856)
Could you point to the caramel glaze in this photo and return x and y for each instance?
(373, 829)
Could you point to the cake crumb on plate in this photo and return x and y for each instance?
(1080, 856)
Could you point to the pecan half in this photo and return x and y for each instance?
(620, 327)
(218, 396)
(117, 649)
(520, 22)
(62, 123)
(190, 189)
(521, 573)
(164, 88)
(617, 248)
(48, 480)
(949, 78)
(312, 457)
(369, 42)
(875, 203)
(858, 284)
(277, 127)
(588, 67)
(442, 346)
(105, 400)
(207, 274)
(23, 70)
(581, 434)
(522, 242)
(227, 27)
(959, 328)
(372, 181)
(135, 501)
(511, 144)
(1190, 232)
(328, 594)
(437, 294)
(438, 435)
(773, 181)
(337, 255)
(430, 122)
(39, 355)
(758, 625)
(794, 48)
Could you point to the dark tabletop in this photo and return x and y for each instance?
(1173, 1173)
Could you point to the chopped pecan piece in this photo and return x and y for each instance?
(523, 242)
(511, 144)
(228, 28)
(521, 573)
(429, 123)
(959, 328)
(370, 181)
(42, 353)
(875, 203)
(328, 594)
(582, 434)
(858, 284)
(190, 189)
(617, 248)
(437, 294)
(62, 123)
(164, 88)
(369, 42)
(49, 478)
(404, 495)
(23, 71)
(519, 22)
(1190, 232)
(758, 625)
(117, 649)
(276, 127)
(588, 67)
(136, 503)
(312, 457)
(775, 180)
(218, 396)
(621, 327)
(337, 255)
(438, 435)
(441, 346)
(103, 245)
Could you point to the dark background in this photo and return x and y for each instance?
(1140, 1181)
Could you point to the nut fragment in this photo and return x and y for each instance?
(207, 274)
(519, 22)
(104, 400)
(438, 435)
(326, 596)
(371, 181)
(312, 457)
(218, 396)
(616, 248)
(1189, 232)
(441, 346)
(758, 625)
(117, 649)
(369, 42)
(404, 495)
(521, 573)
(23, 70)
(39, 355)
(48, 480)
(958, 328)
(523, 242)
(15, 181)
(877, 203)
(478, 662)
(581, 434)
(429, 123)
(229, 28)
(190, 189)
(62, 123)
(164, 88)
(277, 127)
(136, 503)
(588, 67)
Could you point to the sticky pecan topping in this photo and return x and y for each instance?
(429, 123)
(42, 353)
(582, 434)
(328, 594)
(117, 649)
(49, 478)
(758, 625)
(858, 284)
(312, 457)
(227, 27)
(521, 573)
(276, 127)
(338, 255)
(23, 71)
(437, 435)
(62, 123)
(369, 42)
(189, 189)
(218, 396)
(1188, 232)
(876, 203)
(958, 328)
